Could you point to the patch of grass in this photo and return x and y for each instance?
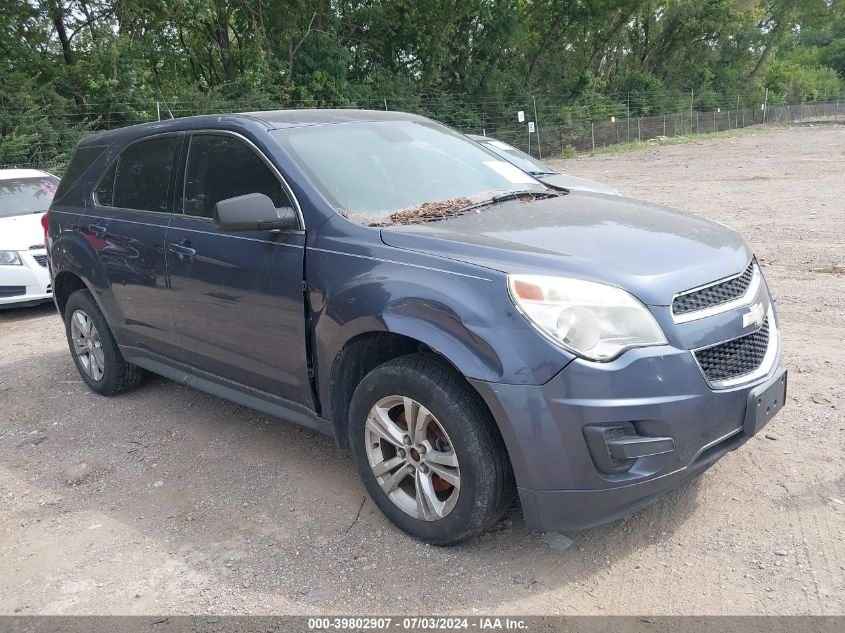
(672, 140)
(569, 152)
(634, 146)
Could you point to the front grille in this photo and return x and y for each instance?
(12, 291)
(735, 358)
(714, 295)
(41, 259)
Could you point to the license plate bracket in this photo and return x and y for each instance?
(764, 402)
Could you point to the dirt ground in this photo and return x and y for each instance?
(167, 500)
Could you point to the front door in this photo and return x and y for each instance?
(237, 298)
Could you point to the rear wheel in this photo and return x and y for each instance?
(94, 349)
(427, 451)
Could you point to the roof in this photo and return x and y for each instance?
(10, 174)
(293, 118)
(270, 119)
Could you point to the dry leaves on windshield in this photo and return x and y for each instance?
(429, 211)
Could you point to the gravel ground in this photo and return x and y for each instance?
(167, 500)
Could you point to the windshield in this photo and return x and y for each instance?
(517, 157)
(370, 171)
(19, 196)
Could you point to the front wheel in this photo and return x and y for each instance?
(428, 452)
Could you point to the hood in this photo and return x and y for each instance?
(19, 232)
(573, 182)
(652, 251)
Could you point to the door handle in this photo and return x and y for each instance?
(182, 248)
(97, 230)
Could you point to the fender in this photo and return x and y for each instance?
(71, 251)
(466, 317)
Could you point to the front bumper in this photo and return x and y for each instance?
(28, 284)
(660, 391)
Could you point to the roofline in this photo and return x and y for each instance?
(263, 118)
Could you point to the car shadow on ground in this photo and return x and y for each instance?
(26, 313)
(202, 482)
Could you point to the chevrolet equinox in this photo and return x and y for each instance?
(465, 331)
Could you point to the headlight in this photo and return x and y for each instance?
(10, 258)
(589, 319)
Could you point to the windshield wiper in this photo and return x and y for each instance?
(542, 173)
(518, 195)
(511, 195)
(434, 211)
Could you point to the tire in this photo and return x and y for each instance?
(110, 374)
(458, 440)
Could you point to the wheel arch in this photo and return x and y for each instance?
(76, 266)
(366, 351)
(64, 285)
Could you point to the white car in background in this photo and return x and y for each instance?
(25, 196)
(541, 171)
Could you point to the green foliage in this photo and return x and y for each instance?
(68, 67)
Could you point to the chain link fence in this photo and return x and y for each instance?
(553, 140)
(45, 138)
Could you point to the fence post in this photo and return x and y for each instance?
(765, 107)
(593, 133)
(664, 125)
(639, 131)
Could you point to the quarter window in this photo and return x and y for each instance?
(81, 160)
(221, 167)
(104, 192)
(142, 175)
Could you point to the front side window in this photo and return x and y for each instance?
(19, 196)
(371, 171)
(221, 167)
(142, 175)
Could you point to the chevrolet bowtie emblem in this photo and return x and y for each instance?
(754, 316)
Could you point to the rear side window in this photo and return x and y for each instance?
(79, 162)
(221, 167)
(142, 175)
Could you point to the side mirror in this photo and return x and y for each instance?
(253, 212)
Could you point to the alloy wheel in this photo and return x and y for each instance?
(412, 458)
(87, 345)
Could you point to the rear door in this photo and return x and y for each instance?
(237, 298)
(126, 226)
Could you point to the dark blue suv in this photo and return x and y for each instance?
(465, 331)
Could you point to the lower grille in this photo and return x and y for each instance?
(41, 259)
(12, 291)
(735, 358)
